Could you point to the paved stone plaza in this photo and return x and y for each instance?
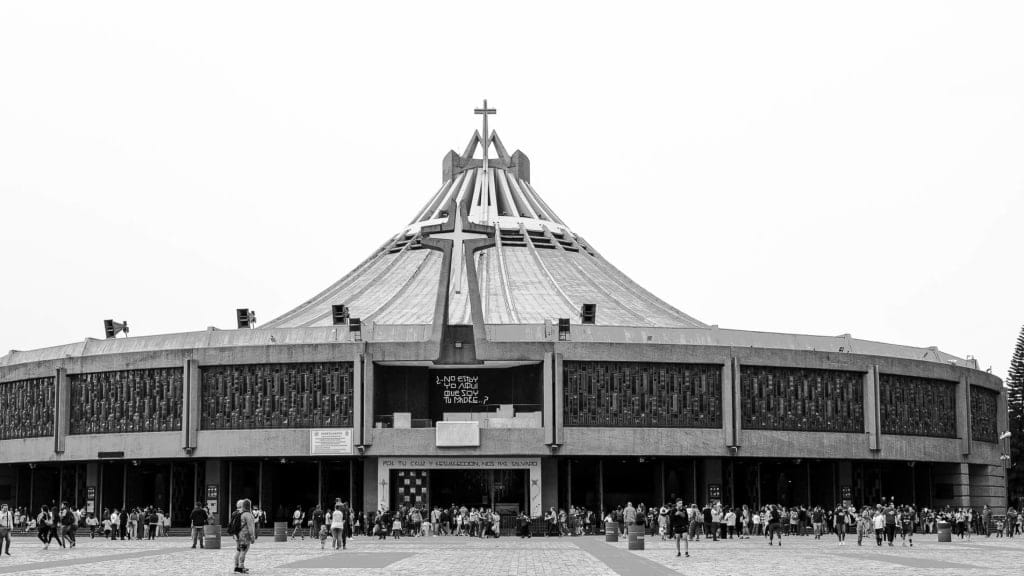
(589, 556)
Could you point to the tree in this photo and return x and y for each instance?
(1015, 404)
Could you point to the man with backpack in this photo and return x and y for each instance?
(242, 526)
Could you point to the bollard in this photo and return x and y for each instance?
(611, 531)
(211, 536)
(945, 532)
(636, 537)
(280, 531)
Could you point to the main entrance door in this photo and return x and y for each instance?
(504, 484)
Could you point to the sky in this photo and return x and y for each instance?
(804, 167)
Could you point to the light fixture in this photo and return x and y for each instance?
(1005, 435)
(339, 313)
(563, 328)
(112, 329)
(246, 318)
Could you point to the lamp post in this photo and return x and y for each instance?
(1005, 457)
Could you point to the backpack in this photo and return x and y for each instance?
(235, 523)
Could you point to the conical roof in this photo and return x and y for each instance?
(529, 267)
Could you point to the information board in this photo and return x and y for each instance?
(330, 441)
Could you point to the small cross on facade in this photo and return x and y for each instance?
(487, 135)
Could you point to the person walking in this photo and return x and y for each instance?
(774, 524)
(297, 518)
(6, 526)
(198, 519)
(841, 519)
(243, 525)
(679, 523)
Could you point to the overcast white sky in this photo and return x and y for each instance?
(804, 167)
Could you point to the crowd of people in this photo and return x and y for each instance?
(884, 523)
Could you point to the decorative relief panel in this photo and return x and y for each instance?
(147, 400)
(306, 395)
(636, 394)
(26, 408)
(805, 399)
(917, 406)
(983, 414)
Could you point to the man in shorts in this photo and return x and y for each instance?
(679, 523)
(907, 519)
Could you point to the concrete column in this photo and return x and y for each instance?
(92, 480)
(548, 409)
(988, 486)
(963, 414)
(958, 477)
(872, 409)
(712, 475)
(213, 474)
(61, 410)
(549, 482)
(370, 485)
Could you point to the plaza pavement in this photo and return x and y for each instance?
(579, 556)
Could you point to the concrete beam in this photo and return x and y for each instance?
(963, 413)
(61, 409)
(559, 398)
(872, 409)
(548, 408)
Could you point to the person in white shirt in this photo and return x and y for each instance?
(115, 524)
(338, 526)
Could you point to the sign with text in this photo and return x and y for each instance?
(212, 495)
(330, 442)
(470, 390)
(90, 499)
(460, 389)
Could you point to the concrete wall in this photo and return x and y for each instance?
(971, 466)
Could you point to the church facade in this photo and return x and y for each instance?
(488, 355)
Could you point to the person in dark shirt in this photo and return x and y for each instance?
(198, 518)
(679, 522)
(890, 523)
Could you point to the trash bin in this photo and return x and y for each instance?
(636, 537)
(280, 531)
(944, 531)
(611, 531)
(211, 536)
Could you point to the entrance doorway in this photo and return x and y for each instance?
(500, 489)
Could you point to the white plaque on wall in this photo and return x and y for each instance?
(330, 441)
(457, 434)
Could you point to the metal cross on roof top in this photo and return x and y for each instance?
(487, 136)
